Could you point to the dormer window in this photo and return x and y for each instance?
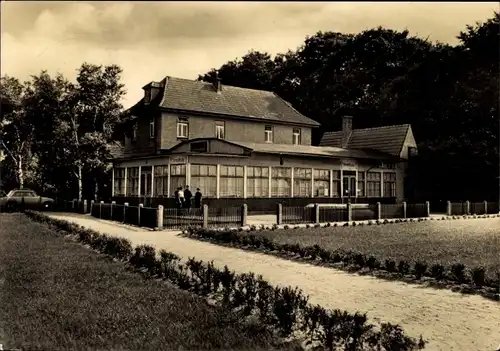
(152, 127)
(296, 136)
(268, 134)
(147, 95)
(219, 130)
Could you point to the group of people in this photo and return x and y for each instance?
(183, 198)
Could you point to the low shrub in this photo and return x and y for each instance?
(284, 308)
(458, 271)
(403, 267)
(479, 276)
(438, 271)
(420, 269)
(390, 266)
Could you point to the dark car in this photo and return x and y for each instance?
(24, 198)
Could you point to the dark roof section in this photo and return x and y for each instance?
(387, 139)
(319, 151)
(191, 95)
(116, 150)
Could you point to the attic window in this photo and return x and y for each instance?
(199, 146)
(147, 95)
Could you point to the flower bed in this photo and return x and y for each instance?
(285, 310)
(371, 250)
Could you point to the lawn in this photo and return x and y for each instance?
(473, 242)
(57, 295)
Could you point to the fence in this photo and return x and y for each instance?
(321, 213)
(389, 211)
(175, 218)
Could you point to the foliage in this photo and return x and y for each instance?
(67, 126)
(350, 259)
(449, 94)
(87, 302)
(285, 309)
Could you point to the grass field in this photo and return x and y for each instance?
(473, 242)
(57, 295)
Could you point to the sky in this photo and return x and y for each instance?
(151, 40)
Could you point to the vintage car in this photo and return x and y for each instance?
(24, 198)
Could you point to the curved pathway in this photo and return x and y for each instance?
(448, 320)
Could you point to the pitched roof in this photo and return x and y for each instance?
(387, 139)
(307, 150)
(191, 95)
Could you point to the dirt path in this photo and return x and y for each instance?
(450, 321)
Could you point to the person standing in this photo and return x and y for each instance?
(197, 198)
(187, 196)
(181, 197)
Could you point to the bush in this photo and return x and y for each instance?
(420, 269)
(458, 272)
(403, 267)
(282, 308)
(479, 276)
(390, 266)
(373, 263)
(438, 271)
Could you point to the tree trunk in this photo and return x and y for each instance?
(20, 173)
(80, 183)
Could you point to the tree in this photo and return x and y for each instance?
(95, 110)
(74, 123)
(448, 93)
(16, 132)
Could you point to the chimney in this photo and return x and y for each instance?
(346, 130)
(217, 82)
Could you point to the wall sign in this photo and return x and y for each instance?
(348, 162)
(178, 160)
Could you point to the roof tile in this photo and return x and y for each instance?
(388, 139)
(191, 95)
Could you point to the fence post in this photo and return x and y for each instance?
(349, 212)
(379, 211)
(448, 208)
(427, 209)
(139, 214)
(159, 216)
(486, 207)
(467, 207)
(316, 213)
(91, 206)
(113, 203)
(279, 213)
(205, 216)
(84, 206)
(100, 209)
(244, 214)
(404, 209)
(125, 206)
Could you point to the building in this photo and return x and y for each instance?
(250, 146)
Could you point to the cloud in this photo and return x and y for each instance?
(152, 39)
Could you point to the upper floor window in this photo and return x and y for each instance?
(296, 136)
(134, 132)
(219, 130)
(152, 127)
(268, 134)
(182, 128)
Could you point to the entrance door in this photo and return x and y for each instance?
(146, 181)
(349, 183)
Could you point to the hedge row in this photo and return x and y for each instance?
(359, 223)
(469, 280)
(284, 310)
